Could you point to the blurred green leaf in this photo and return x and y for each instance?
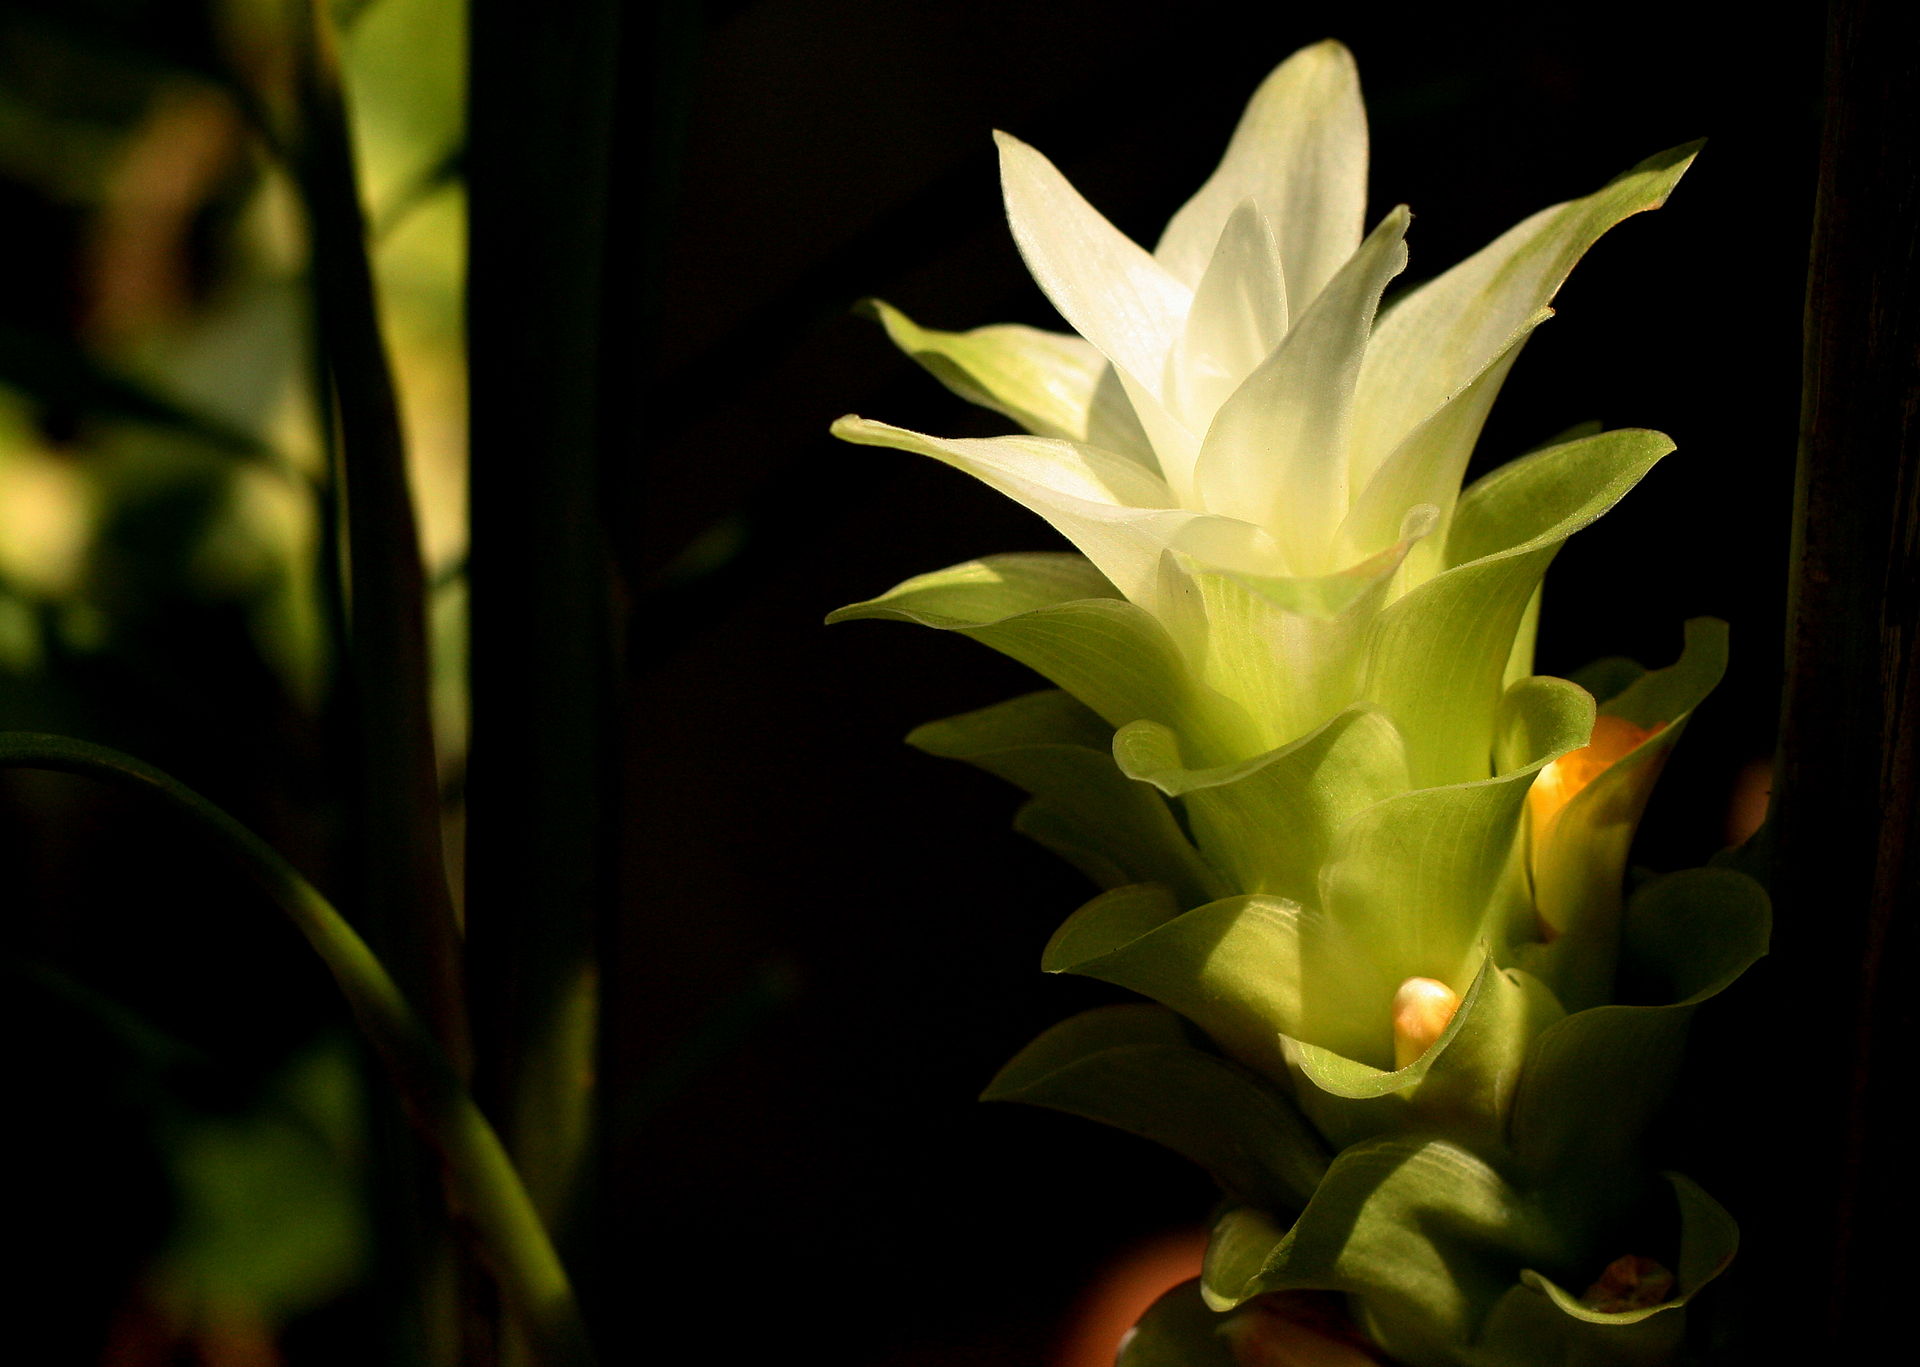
(482, 1183)
(404, 65)
(56, 373)
(272, 1212)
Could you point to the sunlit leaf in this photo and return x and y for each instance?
(1134, 1067)
(1464, 1083)
(1271, 821)
(1110, 290)
(1430, 1233)
(1056, 614)
(1594, 1080)
(1274, 455)
(1539, 1321)
(1058, 751)
(1439, 654)
(1235, 967)
(1427, 875)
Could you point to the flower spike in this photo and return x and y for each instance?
(1367, 869)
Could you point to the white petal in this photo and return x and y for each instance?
(1116, 513)
(1175, 445)
(1427, 466)
(1301, 153)
(1276, 454)
(1110, 290)
(1432, 342)
(1052, 383)
(1239, 316)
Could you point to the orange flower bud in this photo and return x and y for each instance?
(1614, 738)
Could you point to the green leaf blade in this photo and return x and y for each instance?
(1134, 1068)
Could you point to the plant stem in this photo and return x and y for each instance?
(482, 1186)
(406, 903)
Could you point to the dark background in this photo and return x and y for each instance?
(832, 940)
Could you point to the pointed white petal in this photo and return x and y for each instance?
(1052, 383)
(1301, 153)
(1118, 514)
(1175, 445)
(1276, 454)
(1435, 340)
(1110, 290)
(1239, 316)
(1426, 468)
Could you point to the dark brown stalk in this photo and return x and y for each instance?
(1847, 879)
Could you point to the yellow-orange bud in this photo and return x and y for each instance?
(1421, 1009)
(1614, 738)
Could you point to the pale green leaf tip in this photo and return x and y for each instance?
(854, 428)
(1668, 166)
(1657, 442)
(869, 608)
(902, 331)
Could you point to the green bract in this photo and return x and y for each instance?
(1298, 741)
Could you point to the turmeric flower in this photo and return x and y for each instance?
(1240, 438)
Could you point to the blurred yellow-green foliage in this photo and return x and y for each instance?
(157, 419)
(161, 575)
